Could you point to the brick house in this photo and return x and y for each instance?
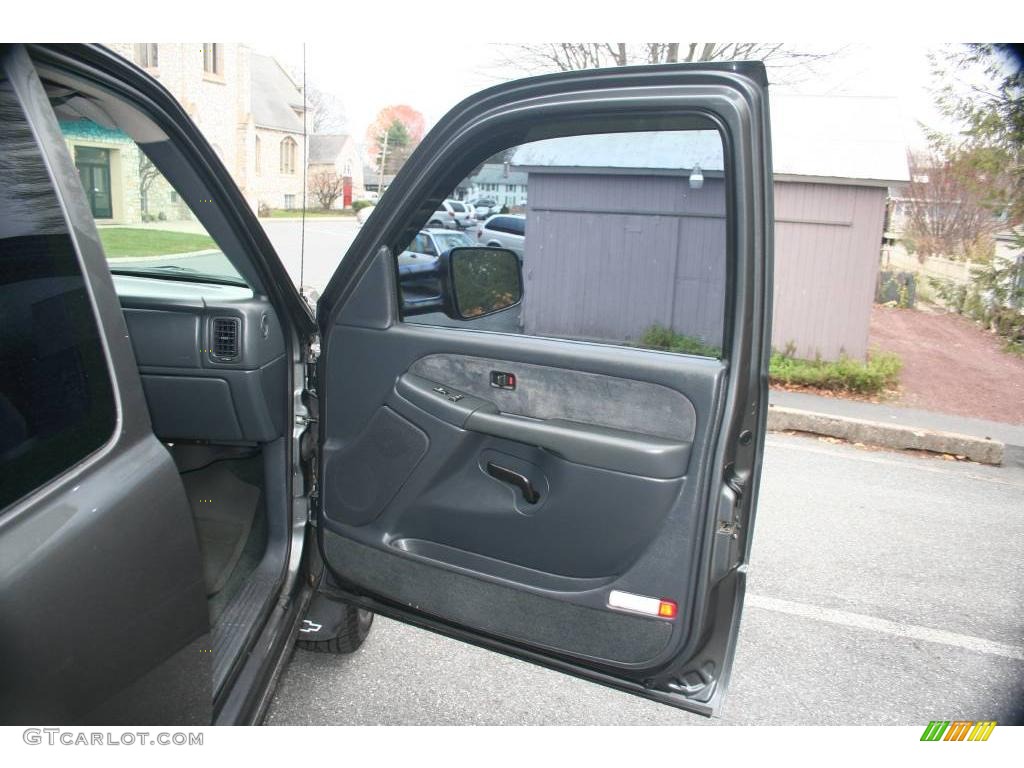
(337, 154)
(246, 105)
(279, 149)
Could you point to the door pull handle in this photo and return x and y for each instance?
(520, 481)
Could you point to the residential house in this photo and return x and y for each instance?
(337, 154)
(498, 182)
(374, 181)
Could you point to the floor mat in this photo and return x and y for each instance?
(223, 506)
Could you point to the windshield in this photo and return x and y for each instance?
(175, 251)
(452, 240)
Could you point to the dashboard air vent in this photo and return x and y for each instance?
(225, 338)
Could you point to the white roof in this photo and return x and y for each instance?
(839, 138)
(663, 150)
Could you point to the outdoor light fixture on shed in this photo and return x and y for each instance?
(696, 177)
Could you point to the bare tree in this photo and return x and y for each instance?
(326, 112)
(148, 173)
(546, 57)
(326, 187)
(946, 212)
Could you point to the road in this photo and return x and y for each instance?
(325, 244)
(884, 589)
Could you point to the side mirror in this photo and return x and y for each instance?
(478, 281)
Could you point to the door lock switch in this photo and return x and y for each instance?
(503, 380)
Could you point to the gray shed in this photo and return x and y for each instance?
(609, 214)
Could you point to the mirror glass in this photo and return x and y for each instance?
(484, 280)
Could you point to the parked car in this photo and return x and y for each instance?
(417, 265)
(196, 470)
(504, 231)
(452, 214)
(484, 207)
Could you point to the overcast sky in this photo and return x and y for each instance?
(370, 76)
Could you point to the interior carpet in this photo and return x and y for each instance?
(223, 506)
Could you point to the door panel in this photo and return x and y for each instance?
(102, 608)
(594, 514)
(436, 508)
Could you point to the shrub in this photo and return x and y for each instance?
(994, 296)
(659, 337)
(880, 372)
(358, 205)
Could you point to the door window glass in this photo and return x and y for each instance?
(56, 398)
(622, 239)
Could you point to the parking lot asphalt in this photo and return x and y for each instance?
(883, 589)
(325, 243)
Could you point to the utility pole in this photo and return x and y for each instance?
(383, 159)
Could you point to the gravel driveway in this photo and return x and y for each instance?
(950, 365)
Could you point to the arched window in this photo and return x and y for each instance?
(258, 154)
(288, 151)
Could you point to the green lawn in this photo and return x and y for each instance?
(125, 242)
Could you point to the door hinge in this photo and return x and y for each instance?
(697, 684)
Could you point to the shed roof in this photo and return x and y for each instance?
(841, 139)
(655, 150)
(275, 97)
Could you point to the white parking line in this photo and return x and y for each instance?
(910, 631)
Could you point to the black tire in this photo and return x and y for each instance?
(435, 225)
(353, 632)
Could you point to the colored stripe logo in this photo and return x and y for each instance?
(958, 730)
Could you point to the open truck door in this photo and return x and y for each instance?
(567, 471)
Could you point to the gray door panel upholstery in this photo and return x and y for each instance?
(406, 476)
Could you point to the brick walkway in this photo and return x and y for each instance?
(950, 365)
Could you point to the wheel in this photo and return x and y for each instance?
(435, 225)
(353, 630)
(494, 244)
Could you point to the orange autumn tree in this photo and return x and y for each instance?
(403, 126)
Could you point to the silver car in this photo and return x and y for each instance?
(431, 243)
(453, 214)
(506, 230)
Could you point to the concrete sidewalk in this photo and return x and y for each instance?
(898, 428)
(1010, 434)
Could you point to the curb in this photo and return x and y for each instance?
(982, 450)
